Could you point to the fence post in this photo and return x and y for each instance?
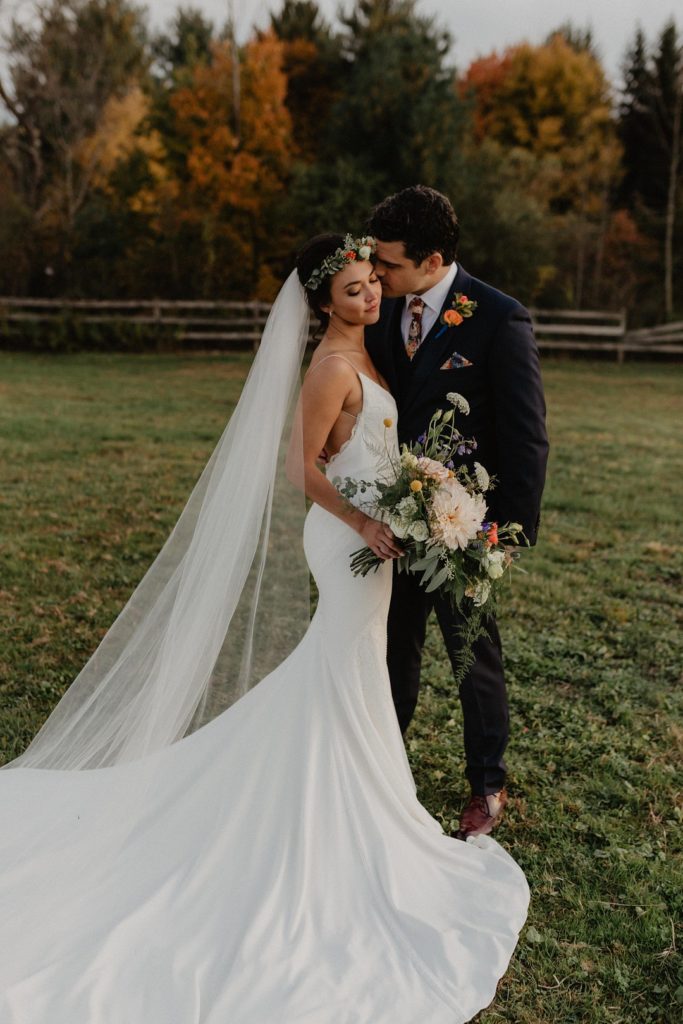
(256, 310)
(620, 347)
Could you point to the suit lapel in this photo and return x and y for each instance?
(439, 341)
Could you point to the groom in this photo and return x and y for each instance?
(491, 359)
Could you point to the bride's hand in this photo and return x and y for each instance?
(379, 538)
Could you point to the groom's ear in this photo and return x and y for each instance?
(433, 263)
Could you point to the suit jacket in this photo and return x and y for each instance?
(491, 358)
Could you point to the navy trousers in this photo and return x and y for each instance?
(482, 693)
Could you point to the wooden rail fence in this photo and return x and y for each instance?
(238, 325)
(201, 323)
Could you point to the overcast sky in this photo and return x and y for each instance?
(477, 26)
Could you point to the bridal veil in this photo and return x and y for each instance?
(226, 599)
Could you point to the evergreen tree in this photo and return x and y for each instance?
(301, 19)
(313, 67)
(651, 130)
(186, 42)
(399, 111)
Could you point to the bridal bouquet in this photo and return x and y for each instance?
(438, 510)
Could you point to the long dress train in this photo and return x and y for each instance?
(274, 867)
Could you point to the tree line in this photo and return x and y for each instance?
(179, 164)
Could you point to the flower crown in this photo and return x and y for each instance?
(352, 249)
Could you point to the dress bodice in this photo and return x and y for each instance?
(372, 447)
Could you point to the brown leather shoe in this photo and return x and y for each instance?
(482, 814)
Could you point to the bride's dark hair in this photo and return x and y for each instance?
(309, 258)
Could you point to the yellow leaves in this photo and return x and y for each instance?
(550, 133)
(121, 133)
(554, 102)
(118, 135)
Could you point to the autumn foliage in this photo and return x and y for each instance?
(184, 164)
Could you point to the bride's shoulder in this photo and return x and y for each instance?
(333, 366)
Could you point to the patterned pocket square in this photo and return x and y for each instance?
(455, 362)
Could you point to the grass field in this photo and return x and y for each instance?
(97, 456)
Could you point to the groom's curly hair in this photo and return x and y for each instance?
(420, 217)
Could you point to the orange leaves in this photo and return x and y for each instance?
(484, 81)
(264, 90)
(208, 102)
(234, 135)
(238, 148)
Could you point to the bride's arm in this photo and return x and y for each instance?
(320, 403)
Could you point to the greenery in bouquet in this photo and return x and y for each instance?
(437, 507)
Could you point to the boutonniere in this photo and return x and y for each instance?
(461, 308)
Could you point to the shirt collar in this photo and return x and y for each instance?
(435, 296)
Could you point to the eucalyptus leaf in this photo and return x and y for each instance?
(427, 574)
(426, 562)
(441, 577)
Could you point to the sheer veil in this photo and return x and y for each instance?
(227, 597)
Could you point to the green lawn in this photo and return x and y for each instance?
(97, 456)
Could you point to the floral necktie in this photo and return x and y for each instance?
(414, 339)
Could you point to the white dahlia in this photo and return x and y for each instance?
(455, 515)
(433, 469)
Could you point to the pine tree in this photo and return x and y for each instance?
(400, 110)
(313, 68)
(651, 130)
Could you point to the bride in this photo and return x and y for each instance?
(181, 846)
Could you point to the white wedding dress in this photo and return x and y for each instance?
(274, 867)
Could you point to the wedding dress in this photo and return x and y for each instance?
(273, 867)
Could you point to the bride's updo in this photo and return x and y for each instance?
(310, 257)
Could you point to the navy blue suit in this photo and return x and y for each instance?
(491, 358)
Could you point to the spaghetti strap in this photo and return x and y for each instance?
(359, 374)
(334, 355)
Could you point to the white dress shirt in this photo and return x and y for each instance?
(433, 299)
